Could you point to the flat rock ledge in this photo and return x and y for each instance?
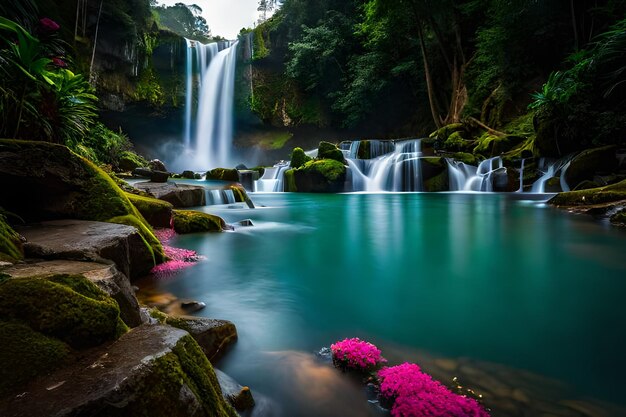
(152, 370)
(179, 195)
(105, 276)
(89, 241)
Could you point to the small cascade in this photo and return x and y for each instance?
(465, 177)
(521, 177)
(208, 129)
(371, 148)
(272, 179)
(216, 197)
(550, 170)
(397, 171)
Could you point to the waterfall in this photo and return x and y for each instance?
(550, 170)
(216, 197)
(272, 179)
(400, 170)
(208, 131)
(521, 177)
(465, 177)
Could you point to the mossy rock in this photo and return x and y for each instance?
(156, 212)
(586, 185)
(223, 174)
(299, 158)
(590, 162)
(607, 194)
(365, 150)
(45, 181)
(490, 145)
(443, 133)
(290, 181)
(466, 158)
(318, 176)
(619, 219)
(327, 150)
(26, 354)
(189, 221)
(146, 234)
(456, 142)
(66, 307)
(11, 249)
(553, 185)
(130, 160)
(437, 183)
(433, 167)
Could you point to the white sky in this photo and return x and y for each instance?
(225, 17)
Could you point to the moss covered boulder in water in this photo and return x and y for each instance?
(188, 221)
(156, 212)
(44, 181)
(327, 150)
(318, 176)
(592, 196)
(223, 174)
(299, 158)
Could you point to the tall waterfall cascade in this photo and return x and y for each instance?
(208, 128)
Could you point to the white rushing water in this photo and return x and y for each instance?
(208, 131)
(465, 177)
(272, 179)
(550, 170)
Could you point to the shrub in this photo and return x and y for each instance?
(356, 354)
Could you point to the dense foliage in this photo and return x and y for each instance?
(408, 66)
(186, 20)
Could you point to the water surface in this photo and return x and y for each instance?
(482, 276)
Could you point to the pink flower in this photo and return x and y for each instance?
(49, 25)
(415, 394)
(356, 354)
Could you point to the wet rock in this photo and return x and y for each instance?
(193, 306)
(89, 241)
(234, 393)
(106, 277)
(157, 165)
(159, 176)
(247, 179)
(142, 172)
(223, 174)
(588, 163)
(190, 175)
(553, 185)
(179, 195)
(245, 223)
(152, 370)
(213, 336)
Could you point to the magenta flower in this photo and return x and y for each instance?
(414, 393)
(48, 24)
(356, 354)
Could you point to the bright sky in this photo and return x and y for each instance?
(225, 17)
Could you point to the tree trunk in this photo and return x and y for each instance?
(95, 43)
(429, 80)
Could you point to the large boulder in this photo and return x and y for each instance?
(223, 174)
(614, 193)
(157, 165)
(89, 241)
(214, 336)
(318, 176)
(188, 221)
(105, 276)
(587, 164)
(156, 212)
(156, 371)
(327, 150)
(44, 181)
(179, 195)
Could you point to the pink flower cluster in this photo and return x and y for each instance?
(415, 394)
(179, 258)
(356, 354)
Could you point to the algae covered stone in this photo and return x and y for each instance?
(298, 158)
(327, 150)
(66, 307)
(223, 174)
(319, 176)
(156, 212)
(188, 221)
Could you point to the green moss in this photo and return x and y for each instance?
(149, 88)
(444, 132)
(10, 243)
(619, 218)
(466, 158)
(239, 192)
(330, 169)
(485, 144)
(145, 231)
(327, 150)
(365, 150)
(298, 158)
(260, 49)
(437, 183)
(290, 181)
(608, 194)
(456, 142)
(223, 174)
(275, 141)
(188, 366)
(67, 307)
(188, 221)
(129, 160)
(156, 212)
(26, 354)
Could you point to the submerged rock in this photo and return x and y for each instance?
(155, 370)
(89, 241)
(179, 195)
(188, 221)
